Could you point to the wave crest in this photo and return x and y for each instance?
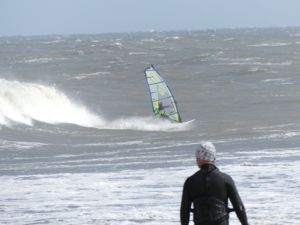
(23, 103)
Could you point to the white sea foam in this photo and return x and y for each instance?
(125, 143)
(37, 60)
(20, 144)
(137, 53)
(152, 196)
(53, 42)
(147, 124)
(172, 38)
(40, 60)
(272, 44)
(278, 80)
(285, 63)
(246, 59)
(82, 76)
(149, 40)
(258, 69)
(251, 61)
(229, 39)
(23, 103)
(117, 44)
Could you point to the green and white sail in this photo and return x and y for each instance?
(163, 102)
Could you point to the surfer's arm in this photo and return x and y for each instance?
(236, 202)
(185, 206)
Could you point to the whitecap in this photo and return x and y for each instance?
(117, 44)
(40, 60)
(272, 44)
(5, 144)
(172, 38)
(53, 42)
(277, 80)
(242, 63)
(37, 60)
(137, 53)
(274, 80)
(89, 75)
(149, 40)
(146, 124)
(229, 39)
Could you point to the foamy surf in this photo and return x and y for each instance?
(24, 103)
(147, 124)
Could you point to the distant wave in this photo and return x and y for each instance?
(286, 63)
(36, 60)
(137, 53)
(174, 38)
(53, 42)
(255, 61)
(82, 76)
(24, 103)
(149, 40)
(117, 44)
(278, 80)
(39, 60)
(272, 44)
(229, 39)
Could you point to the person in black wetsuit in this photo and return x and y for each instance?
(209, 190)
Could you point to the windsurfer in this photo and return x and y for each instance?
(159, 111)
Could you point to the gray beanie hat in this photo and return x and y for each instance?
(206, 151)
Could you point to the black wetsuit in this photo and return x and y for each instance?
(209, 191)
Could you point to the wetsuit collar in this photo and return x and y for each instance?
(208, 165)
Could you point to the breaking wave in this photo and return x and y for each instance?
(25, 103)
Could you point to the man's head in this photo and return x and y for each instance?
(205, 153)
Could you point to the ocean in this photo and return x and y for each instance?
(79, 143)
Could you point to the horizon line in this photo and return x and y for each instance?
(150, 31)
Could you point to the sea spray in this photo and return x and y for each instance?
(22, 102)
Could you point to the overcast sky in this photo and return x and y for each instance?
(39, 17)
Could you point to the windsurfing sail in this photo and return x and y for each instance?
(163, 102)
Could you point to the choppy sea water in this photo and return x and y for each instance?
(79, 145)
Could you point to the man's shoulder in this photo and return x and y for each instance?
(223, 173)
(192, 177)
(225, 176)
